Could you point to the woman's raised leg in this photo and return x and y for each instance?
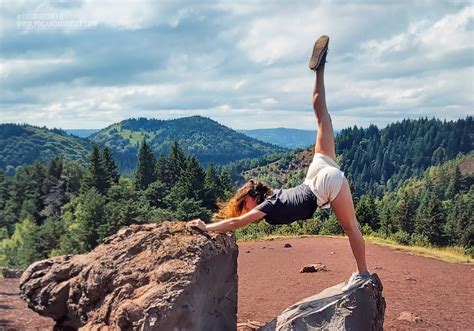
(325, 136)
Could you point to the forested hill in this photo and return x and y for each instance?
(202, 137)
(377, 160)
(24, 144)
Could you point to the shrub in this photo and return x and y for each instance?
(402, 237)
(366, 230)
(331, 226)
(292, 229)
(419, 239)
(254, 230)
(470, 251)
(311, 226)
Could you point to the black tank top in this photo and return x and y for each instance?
(288, 205)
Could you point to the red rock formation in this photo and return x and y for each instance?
(151, 277)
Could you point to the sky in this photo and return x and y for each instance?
(78, 64)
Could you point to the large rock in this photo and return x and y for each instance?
(145, 277)
(361, 308)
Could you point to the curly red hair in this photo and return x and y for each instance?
(235, 206)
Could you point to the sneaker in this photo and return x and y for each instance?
(355, 280)
(320, 49)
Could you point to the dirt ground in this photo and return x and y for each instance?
(437, 295)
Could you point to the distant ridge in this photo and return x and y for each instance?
(82, 133)
(284, 137)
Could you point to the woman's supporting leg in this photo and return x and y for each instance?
(325, 137)
(343, 207)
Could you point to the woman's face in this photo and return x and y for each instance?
(249, 202)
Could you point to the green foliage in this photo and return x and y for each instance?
(189, 208)
(430, 219)
(24, 144)
(331, 226)
(419, 239)
(255, 230)
(406, 211)
(95, 176)
(377, 160)
(470, 251)
(311, 226)
(388, 220)
(402, 237)
(89, 215)
(207, 140)
(366, 212)
(110, 168)
(460, 221)
(20, 250)
(60, 207)
(366, 230)
(146, 172)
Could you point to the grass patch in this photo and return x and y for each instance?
(448, 254)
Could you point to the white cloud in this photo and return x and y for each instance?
(242, 64)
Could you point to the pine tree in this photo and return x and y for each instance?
(176, 162)
(212, 187)
(386, 207)
(194, 176)
(366, 212)
(95, 174)
(54, 189)
(406, 212)
(454, 185)
(146, 167)
(460, 220)
(110, 168)
(189, 185)
(90, 215)
(430, 219)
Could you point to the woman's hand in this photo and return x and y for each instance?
(198, 223)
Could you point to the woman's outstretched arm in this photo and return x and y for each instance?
(229, 224)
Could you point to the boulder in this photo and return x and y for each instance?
(360, 308)
(145, 277)
(315, 267)
(11, 273)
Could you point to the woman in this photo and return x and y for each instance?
(324, 186)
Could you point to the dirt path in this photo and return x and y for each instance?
(15, 314)
(439, 293)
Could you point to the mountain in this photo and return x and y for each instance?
(208, 140)
(284, 137)
(82, 133)
(24, 144)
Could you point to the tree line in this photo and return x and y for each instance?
(436, 209)
(63, 207)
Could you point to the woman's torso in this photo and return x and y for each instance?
(288, 205)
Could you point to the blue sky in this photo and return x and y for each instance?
(241, 63)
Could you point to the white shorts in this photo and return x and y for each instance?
(324, 178)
